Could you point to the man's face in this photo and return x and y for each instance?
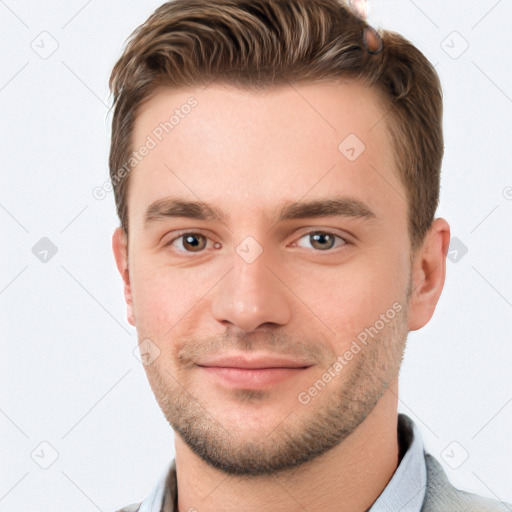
(307, 251)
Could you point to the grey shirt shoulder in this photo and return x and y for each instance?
(442, 496)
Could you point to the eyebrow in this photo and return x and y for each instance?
(290, 210)
(330, 207)
(174, 207)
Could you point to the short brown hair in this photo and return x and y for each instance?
(257, 44)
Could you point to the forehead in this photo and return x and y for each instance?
(250, 151)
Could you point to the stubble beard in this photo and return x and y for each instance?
(300, 437)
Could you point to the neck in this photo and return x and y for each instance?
(349, 477)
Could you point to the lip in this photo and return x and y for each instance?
(251, 372)
(257, 362)
(250, 378)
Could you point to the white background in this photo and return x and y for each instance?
(68, 373)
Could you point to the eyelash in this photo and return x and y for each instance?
(309, 233)
(330, 233)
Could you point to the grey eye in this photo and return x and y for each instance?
(321, 240)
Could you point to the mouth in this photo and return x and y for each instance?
(257, 372)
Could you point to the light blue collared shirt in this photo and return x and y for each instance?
(154, 501)
(405, 491)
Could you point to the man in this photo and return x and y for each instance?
(276, 167)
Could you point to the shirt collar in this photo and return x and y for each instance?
(154, 501)
(405, 491)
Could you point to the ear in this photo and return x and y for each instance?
(120, 249)
(428, 274)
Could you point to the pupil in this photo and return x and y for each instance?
(193, 242)
(320, 239)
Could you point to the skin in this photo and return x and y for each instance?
(247, 154)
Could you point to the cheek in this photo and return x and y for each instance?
(164, 296)
(347, 298)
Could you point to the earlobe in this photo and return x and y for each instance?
(428, 274)
(120, 250)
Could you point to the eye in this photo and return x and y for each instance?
(190, 242)
(321, 240)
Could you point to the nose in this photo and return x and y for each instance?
(250, 296)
